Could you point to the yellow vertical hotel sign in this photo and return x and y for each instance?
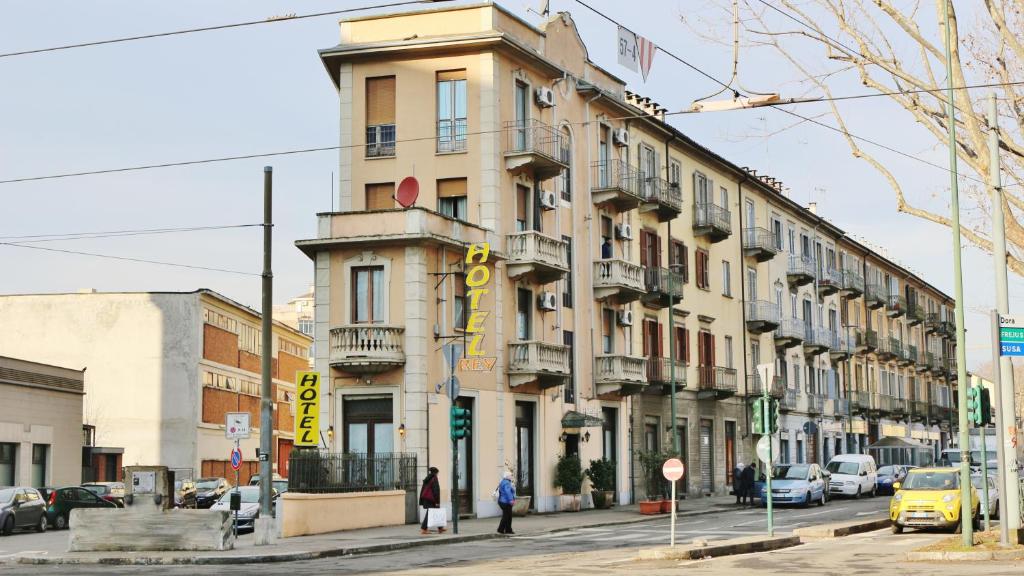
(307, 409)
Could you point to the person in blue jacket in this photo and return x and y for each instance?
(506, 498)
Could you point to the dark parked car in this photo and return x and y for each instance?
(184, 494)
(63, 500)
(21, 507)
(887, 475)
(209, 490)
(109, 491)
(279, 484)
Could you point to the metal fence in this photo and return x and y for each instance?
(313, 471)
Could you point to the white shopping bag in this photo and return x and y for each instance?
(436, 518)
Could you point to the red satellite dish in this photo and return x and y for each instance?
(408, 191)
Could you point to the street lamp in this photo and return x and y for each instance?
(737, 103)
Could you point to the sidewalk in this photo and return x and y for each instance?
(377, 539)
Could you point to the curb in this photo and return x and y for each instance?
(825, 531)
(997, 555)
(328, 553)
(746, 546)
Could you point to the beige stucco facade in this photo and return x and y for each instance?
(617, 246)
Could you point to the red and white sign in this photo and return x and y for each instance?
(673, 469)
(236, 459)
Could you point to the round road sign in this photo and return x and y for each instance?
(763, 446)
(236, 458)
(672, 469)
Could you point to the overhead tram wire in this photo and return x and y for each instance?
(129, 259)
(34, 238)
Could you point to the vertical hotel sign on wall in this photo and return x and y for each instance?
(477, 280)
(307, 409)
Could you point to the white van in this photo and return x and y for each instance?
(852, 475)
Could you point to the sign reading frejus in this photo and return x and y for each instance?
(307, 409)
(477, 279)
(1011, 336)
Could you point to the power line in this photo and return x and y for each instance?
(128, 259)
(211, 28)
(116, 233)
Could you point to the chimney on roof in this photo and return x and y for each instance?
(812, 207)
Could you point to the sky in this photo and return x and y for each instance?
(263, 89)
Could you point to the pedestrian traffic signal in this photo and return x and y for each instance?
(460, 422)
(759, 413)
(773, 415)
(974, 405)
(986, 407)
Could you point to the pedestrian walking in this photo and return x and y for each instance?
(506, 499)
(430, 497)
(748, 482)
(737, 483)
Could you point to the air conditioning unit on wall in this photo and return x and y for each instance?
(545, 97)
(624, 231)
(620, 137)
(547, 301)
(548, 200)
(625, 317)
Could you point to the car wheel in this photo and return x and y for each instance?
(857, 495)
(976, 522)
(8, 526)
(822, 501)
(41, 527)
(896, 528)
(61, 522)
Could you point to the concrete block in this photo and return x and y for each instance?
(727, 548)
(99, 530)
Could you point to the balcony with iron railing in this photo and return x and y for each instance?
(756, 389)
(839, 407)
(800, 271)
(663, 286)
(790, 333)
(880, 404)
(860, 401)
(660, 197)
(367, 348)
(535, 361)
(919, 411)
(451, 135)
(830, 281)
(950, 368)
(874, 295)
(616, 184)
(816, 340)
(815, 404)
(935, 364)
(932, 323)
(915, 314)
(539, 257)
(905, 356)
(762, 316)
(888, 349)
(896, 306)
(900, 407)
(865, 341)
(947, 330)
(620, 374)
(840, 348)
(761, 244)
(853, 283)
(660, 373)
(711, 221)
(716, 382)
(789, 400)
(533, 146)
(618, 280)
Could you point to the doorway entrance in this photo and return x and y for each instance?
(707, 477)
(525, 439)
(466, 480)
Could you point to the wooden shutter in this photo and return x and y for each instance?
(380, 196)
(657, 348)
(684, 256)
(380, 100)
(656, 253)
(451, 75)
(711, 347)
(645, 238)
(449, 187)
(686, 346)
(646, 337)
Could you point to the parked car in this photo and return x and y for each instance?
(930, 498)
(184, 494)
(993, 493)
(250, 506)
(852, 475)
(796, 484)
(109, 491)
(952, 457)
(209, 490)
(887, 475)
(279, 484)
(62, 501)
(21, 507)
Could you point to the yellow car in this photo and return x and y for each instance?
(930, 498)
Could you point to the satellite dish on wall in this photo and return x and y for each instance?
(408, 191)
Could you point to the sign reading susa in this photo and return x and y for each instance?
(477, 279)
(307, 409)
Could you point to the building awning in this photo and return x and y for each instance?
(574, 419)
(896, 442)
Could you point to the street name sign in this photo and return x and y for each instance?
(1011, 336)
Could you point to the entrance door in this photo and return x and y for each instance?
(524, 450)
(284, 451)
(368, 431)
(610, 438)
(808, 319)
(751, 220)
(684, 447)
(730, 452)
(707, 478)
(466, 482)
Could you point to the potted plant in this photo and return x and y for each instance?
(569, 477)
(602, 476)
(650, 464)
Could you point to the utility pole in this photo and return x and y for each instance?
(1006, 449)
(265, 522)
(966, 507)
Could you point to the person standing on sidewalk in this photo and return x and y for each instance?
(430, 497)
(506, 499)
(737, 483)
(748, 483)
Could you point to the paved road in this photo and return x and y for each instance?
(520, 550)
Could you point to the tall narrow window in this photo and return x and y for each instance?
(451, 198)
(723, 196)
(703, 275)
(675, 171)
(728, 352)
(459, 301)
(380, 196)
(522, 208)
(604, 174)
(677, 258)
(368, 295)
(566, 179)
(522, 98)
(608, 330)
(40, 456)
(607, 248)
(524, 309)
(380, 116)
(451, 111)
(726, 278)
(777, 232)
(570, 390)
(567, 290)
(8, 459)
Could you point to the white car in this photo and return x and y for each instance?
(249, 509)
(993, 493)
(852, 475)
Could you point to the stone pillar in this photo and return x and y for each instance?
(322, 334)
(418, 334)
(345, 153)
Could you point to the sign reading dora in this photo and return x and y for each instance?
(307, 409)
(477, 279)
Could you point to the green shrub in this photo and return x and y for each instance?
(602, 474)
(569, 474)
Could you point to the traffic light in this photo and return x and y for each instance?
(460, 422)
(974, 405)
(986, 407)
(759, 413)
(773, 415)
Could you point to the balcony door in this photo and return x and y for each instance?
(648, 169)
(751, 284)
(522, 99)
(603, 157)
(523, 204)
(808, 318)
(525, 440)
(751, 215)
(650, 249)
(368, 295)
(652, 341)
(524, 302)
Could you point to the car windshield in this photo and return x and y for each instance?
(793, 472)
(887, 471)
(281, 485)
(932, 480)
(207, 483)
(249, 496)
(977, 482)
(98, 489)
(842, 467)
(6, 494)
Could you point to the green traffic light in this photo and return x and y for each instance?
(758, 419)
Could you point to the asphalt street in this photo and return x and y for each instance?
(519, 549)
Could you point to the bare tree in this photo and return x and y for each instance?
(896, 49)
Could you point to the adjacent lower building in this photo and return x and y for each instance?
(162, 371)
(595, 281)
(40, 423)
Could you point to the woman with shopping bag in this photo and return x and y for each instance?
(430, 499)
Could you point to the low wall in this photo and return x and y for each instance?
(105, 529)
(301, 514)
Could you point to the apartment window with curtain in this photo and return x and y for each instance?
(380, 196)
(451, 198)
(726, 278)
(368, 295)
(703, 275)
(524, 301)
(607, 331)
(380, 117)
(567, 295)
(451, 111)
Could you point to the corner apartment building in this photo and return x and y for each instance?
(162, 370)
(623, 257)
